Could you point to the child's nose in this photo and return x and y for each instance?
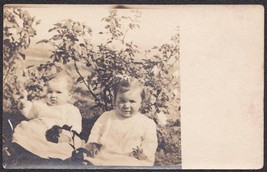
(53, 94)
(126, 105)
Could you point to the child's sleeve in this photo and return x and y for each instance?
(75, 119)
(150, 141)
(98, 128)
(29, 110)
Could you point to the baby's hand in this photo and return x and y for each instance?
(22, 99)
(93, 149)
(138, 153)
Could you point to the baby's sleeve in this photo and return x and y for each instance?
(30, 109)
(75, 119)
(150, 141)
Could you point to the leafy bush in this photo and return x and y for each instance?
(18, 30)
(97, 64)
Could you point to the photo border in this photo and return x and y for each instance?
(138, 2)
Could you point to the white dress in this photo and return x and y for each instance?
(31, 134)
(118, 136)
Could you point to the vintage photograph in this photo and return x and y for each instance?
(91, 86)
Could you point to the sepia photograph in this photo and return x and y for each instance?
(133, 86)
(91, 86)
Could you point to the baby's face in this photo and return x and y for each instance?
(128, 103)
(57, 92)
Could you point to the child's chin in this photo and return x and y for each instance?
(127, 115)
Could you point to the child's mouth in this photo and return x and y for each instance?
(126, 111)
(53, 101)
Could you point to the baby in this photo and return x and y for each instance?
(123, 137)
(53, 110)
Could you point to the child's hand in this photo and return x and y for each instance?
(138, 153)
(22, 99)
(93, 149)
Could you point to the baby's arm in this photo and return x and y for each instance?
(74, 119)
(26, 107)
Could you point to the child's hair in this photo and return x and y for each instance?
(124, 84)
(63, 75)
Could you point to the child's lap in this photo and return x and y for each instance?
(24, 158)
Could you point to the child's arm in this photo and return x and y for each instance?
(149, 143)
(74, 119)
(93, 145)
(98, 128)
(26, 107)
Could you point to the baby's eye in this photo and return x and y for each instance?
(58, 92)
(49, 91)
(132, 101)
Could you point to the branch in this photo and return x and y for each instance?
(124, 35)
(8, 71)
(172, 64)
(77, 70)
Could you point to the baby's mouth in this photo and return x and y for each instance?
(53, 101)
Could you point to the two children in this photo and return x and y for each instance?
(124, 136)
(44, 114)
(120, 137)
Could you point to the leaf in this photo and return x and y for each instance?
(80, 79)
(38, 22)
(57, 24)
(156, 56)
(82, 44)
(54, 28)
(29, 66)
(22, 55)
(10, 24)
(88, 64)
(42, 41)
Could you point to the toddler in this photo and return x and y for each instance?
(123, 137)
(43, 115)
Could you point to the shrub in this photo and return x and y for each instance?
(18, 30)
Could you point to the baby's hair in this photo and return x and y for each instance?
(125, 84)
(64, 75)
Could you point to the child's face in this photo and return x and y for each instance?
(57, 92)
(128, 103)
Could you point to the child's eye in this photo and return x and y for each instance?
(132, 101)
(49, 92)
(59, 92)
(121, 101)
